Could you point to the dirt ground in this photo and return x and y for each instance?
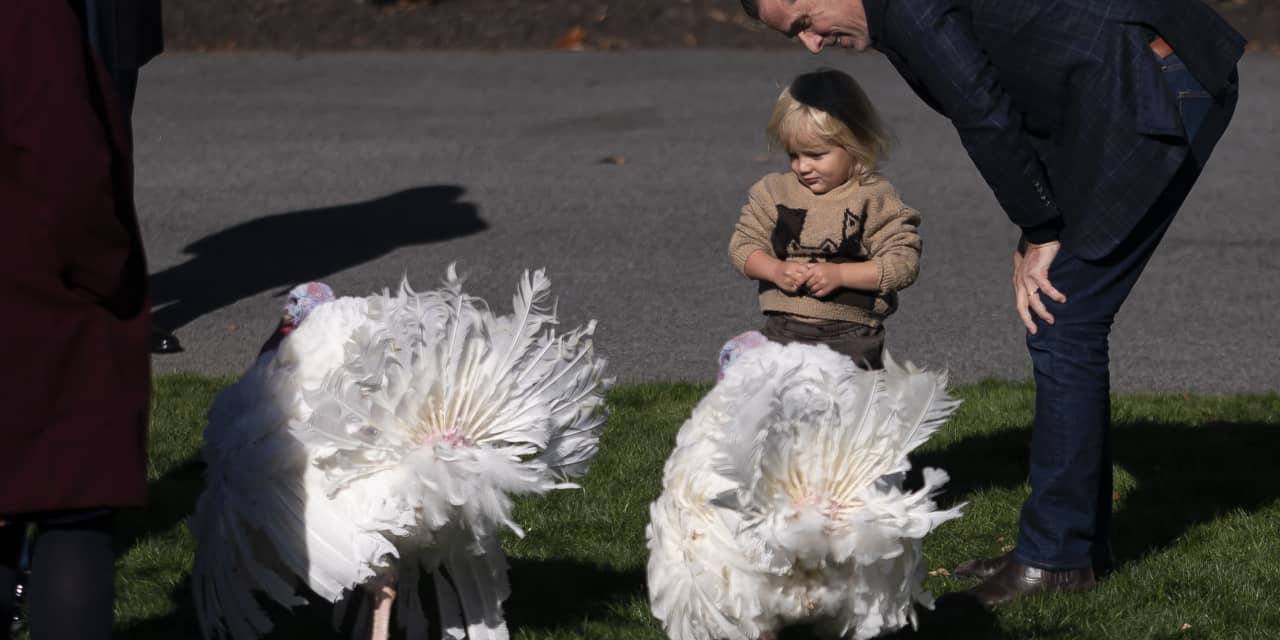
(310, 25)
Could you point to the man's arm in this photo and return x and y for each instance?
(937, 41)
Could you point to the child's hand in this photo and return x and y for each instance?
(789, 276)
(823, 279)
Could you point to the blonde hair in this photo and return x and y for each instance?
(849, 120)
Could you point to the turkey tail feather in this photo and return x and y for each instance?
(801, 517)
(401, 422)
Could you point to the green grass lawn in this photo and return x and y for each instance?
(1197, 523)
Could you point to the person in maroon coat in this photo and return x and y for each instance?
(74, 320)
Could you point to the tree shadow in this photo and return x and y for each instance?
(179, 624)
(986, 461)
(282, 250)
(170, 499)
(951, 618)
(580, 590)
(313, 620)
(1186, 475)
(1191, 477)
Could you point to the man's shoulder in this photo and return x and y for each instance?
(919, 11)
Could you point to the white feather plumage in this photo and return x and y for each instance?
(783, 499)
(384, 439)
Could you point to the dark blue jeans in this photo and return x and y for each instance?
(1066, 520)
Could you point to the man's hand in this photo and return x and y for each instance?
(823, 279)
(789, 276)
(1031, 279)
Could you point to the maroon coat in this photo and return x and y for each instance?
(74, 319)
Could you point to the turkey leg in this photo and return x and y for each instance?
(382, 592)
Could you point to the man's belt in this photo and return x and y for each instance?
(1161, 47)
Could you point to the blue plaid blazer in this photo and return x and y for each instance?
(1061, 104)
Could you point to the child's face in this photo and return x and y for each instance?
(819, 165)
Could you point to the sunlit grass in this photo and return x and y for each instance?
(1196, 522)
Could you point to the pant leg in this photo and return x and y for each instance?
(862, 343)
(125, 84)
(12, 537)
(1066, 520)
(101, 29)
(1066, 516)
(72, 588)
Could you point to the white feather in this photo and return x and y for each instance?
(387, 437)
(801, 516)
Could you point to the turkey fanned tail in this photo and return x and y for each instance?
(387, 438)
(802, 516)
(470, 409)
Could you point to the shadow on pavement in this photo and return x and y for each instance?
(283, 250)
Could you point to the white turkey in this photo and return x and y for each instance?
(381, 440)
(783, 502)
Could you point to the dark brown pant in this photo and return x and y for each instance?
(865, 344)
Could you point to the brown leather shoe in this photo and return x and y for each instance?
(1015, 579)
(981, 569)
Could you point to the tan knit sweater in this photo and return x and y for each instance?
(851, 223)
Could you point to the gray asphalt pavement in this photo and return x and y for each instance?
(622, 174)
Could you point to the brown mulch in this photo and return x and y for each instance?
(492, 25)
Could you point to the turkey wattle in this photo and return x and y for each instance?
(381, 439)
(783, 502)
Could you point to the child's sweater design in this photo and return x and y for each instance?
(787, 238)
(852, 223)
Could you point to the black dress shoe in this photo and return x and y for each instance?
(1015, 579)
(981, 569)
(164, 342)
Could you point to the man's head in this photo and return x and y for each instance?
(817, 24)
